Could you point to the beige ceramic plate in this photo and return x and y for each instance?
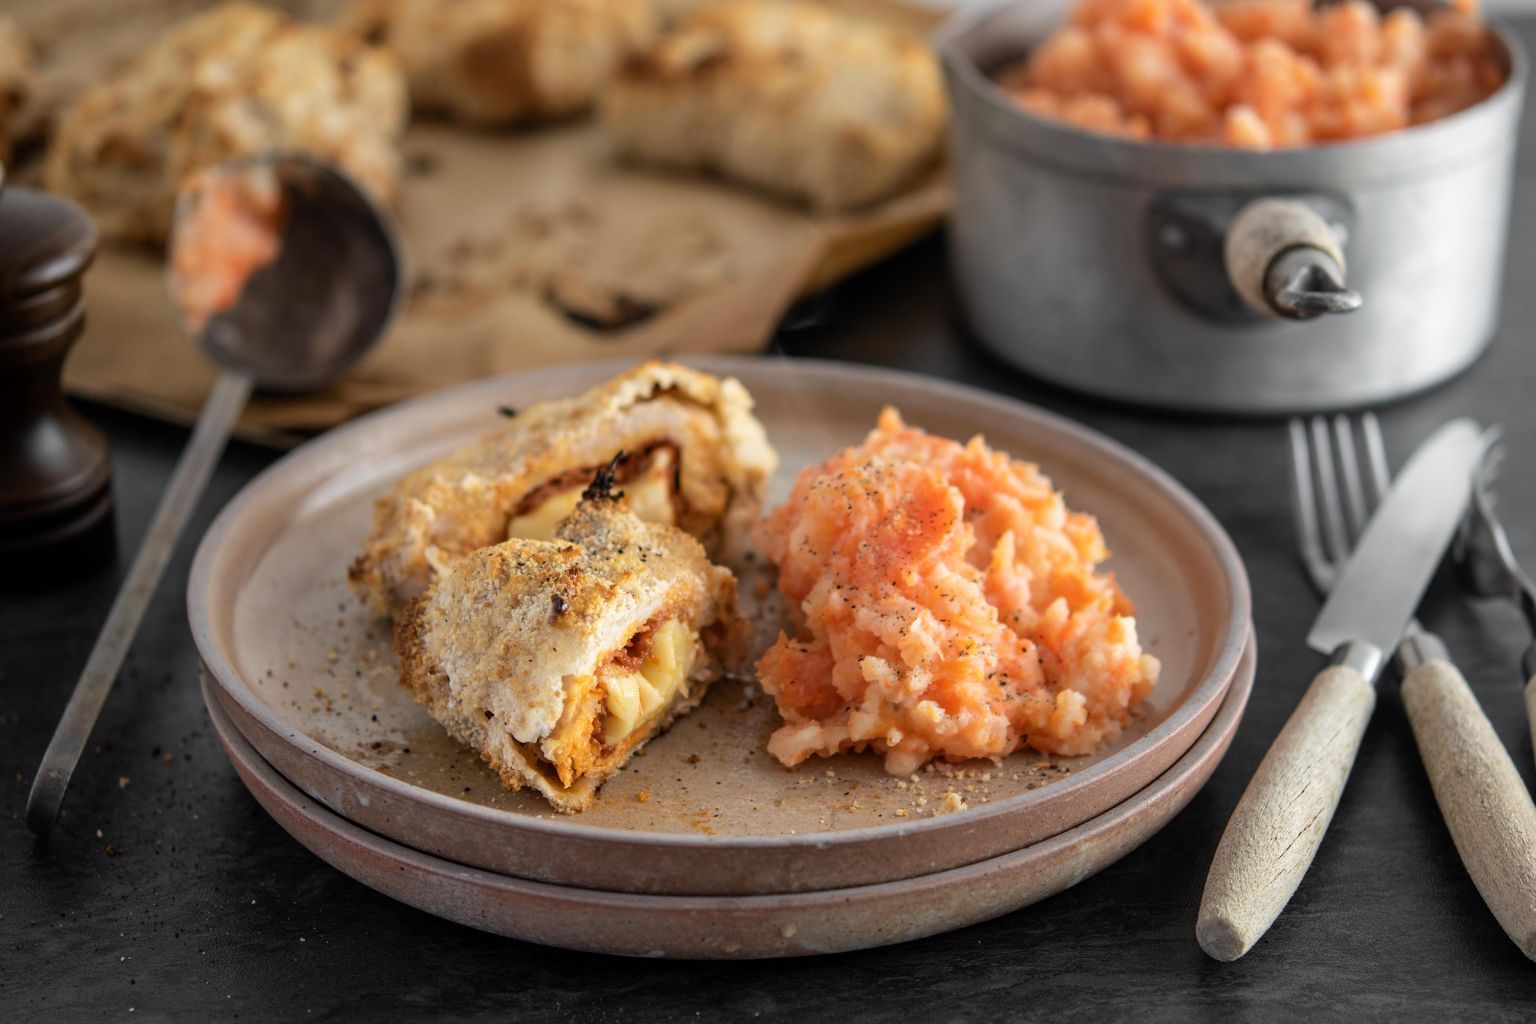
(308, 678)
(738, 926)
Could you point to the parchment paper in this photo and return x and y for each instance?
(513, 237)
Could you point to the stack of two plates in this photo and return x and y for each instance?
(704, 846)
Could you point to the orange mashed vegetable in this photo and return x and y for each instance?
(950, 609)
(1257, 74)
(233, 229)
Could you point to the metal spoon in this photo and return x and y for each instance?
(299, 323)
(1488, 563)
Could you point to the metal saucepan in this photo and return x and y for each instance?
(1196, 277)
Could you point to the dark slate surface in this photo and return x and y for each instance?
(167, 894)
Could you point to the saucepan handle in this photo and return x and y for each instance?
(1285, 261)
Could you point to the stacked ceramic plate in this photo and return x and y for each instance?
(704, 846)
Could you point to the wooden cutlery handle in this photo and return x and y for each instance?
(1530, 707)
(1481, 795)
(1280, 820)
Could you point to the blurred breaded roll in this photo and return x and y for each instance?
(790, 97)
(508, 61)
(17, 81)
(234, 81)
(673, 10)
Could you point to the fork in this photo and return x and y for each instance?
(1322, 536)
(1488, 563)
(1485, 804)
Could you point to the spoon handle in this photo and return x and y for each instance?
(187, 484)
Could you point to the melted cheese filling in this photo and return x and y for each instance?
(635, 696)
(649, 496)
(605, 712)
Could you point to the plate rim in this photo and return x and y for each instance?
(396, 854)
(200, 579)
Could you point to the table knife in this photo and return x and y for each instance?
(1279, 822)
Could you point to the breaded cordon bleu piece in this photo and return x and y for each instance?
(557, 659)
(18, 81)
(790, 97)
(493, 62)
(695, 457)
(237, 80)
(672, 11)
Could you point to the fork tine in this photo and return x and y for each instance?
(1376, 457)
(1301, 487)
(1349, 477)
(1309, 539)
(1493, 462)
(1335, 539)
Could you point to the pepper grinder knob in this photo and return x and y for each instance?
(56, 518)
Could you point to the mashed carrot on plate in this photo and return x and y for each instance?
(951, 608)
(1257, 74)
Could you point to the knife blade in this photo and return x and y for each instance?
(1386, 574)
(1279, 822)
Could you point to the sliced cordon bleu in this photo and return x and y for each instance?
(557, 659)
(696, 458)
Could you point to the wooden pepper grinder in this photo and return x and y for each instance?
(56, 515)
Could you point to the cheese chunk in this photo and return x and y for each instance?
(623, 706)
(635, 697)
(649, 496)
(540, 523)
(670, 659)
